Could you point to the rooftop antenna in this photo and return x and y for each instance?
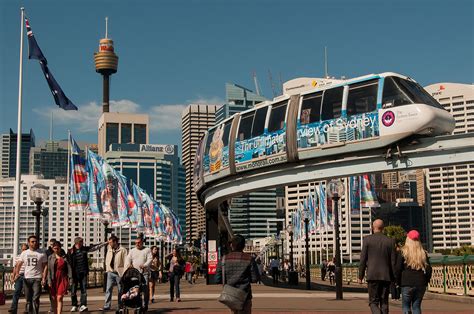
(257, 88)
(271, 82)
(326, 74)
(106, 26)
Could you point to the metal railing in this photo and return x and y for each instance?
(451, 274)
(95, 279)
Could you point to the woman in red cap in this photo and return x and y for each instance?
(414, 273)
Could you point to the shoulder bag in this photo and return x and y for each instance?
(234, 298)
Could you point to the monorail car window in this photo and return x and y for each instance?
(332, 103)
(259, 122)
(419, 94)
(245, 126)
(208, 142)
(362, 97)
(277, 117)
(225, 136)
(311, 108)
(394, 94)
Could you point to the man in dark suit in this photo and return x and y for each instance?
(378, 257)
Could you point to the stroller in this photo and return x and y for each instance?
(133, 284)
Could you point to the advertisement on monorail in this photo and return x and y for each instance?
(216, 157)
(353, 128)
(261, 151)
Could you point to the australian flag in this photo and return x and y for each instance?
(34, 52)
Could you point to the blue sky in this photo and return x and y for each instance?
(173, 53)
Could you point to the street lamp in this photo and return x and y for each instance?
(107, 230)
(289, 228)
(39, 193)
(282, 238)
(335, 190)
(307, 217)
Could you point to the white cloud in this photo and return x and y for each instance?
(166, 117)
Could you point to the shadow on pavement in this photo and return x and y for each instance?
(315, 286)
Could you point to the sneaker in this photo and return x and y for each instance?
(83, 308)
(12, 310)
(152, 300)
(74, 309)
(104, 308)
(178, 300)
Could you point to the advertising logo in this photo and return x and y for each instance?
(388, 118)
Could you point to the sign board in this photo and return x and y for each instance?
(212, 246)
(212, 263)
(165, 149)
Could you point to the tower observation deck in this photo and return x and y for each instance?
(106, 63)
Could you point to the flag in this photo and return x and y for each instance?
(368, 198)
(34, 52)
(354, 194)
(96, 185)
(78, 179)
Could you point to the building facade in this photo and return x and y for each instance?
(49, 161)
(449, 190)
(122, 128)
(195, 120)
(8, 153)
(59, 223)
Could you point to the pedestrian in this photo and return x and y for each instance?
(155, 271)
(187, 271)
(115, 267)
(79, 262)
(59, 274)
(275, 265)
(324, 269)
(19, 274)
(194, 266)
(378, 258)
(239, 270)
(286, 269)
(331, 266)
(175, 272)
(260, 270)
(140, 258)
(49, 252)
(394, 285)
(414, 273)
(36, 270)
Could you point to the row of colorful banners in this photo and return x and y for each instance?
(361, 194)
(104, 193)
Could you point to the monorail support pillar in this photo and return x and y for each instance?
(212, 238)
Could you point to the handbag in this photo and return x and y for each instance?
(234, 298)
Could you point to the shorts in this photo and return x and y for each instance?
(155, 275)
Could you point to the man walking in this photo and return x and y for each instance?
(240, 270)
(324, 269)
(80, 270)
(378, 257)
(275, 266)
(115, 267)
(19, 274)
(140, 258)
(35, 273)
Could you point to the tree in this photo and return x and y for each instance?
(397, 233)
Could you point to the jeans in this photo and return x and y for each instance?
(32, 294)
(247, 309)
(411, 299)
(146, 290)
(18, 288)
(81, 280)
(174, 286)
(378, 296)
(112, 278)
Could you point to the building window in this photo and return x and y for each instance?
(139, 131)
(112, 131)
(126, 133)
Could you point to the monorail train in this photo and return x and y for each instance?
(320, 118)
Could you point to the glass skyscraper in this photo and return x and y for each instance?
(49, 161)
(8, 153)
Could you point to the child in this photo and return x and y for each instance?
(132, 292)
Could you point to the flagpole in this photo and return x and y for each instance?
(67, 179)
(16, 227)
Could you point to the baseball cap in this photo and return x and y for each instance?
(413, 235)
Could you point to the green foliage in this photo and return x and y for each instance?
(397, 233)
(460, 251)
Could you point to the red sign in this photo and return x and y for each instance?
(212, 263)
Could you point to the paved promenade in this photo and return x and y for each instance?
(267, 299)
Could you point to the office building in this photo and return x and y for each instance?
(122, 128)
(449, 190)
(49, 161)
(195, 120)
(238, 99)
(8, 153)
(59, 223)
(157, 170)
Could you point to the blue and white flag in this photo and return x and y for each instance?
(78, 179)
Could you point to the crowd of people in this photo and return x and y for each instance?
(402, 270)
(62, 273)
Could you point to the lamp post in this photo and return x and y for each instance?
(289, 228)
(107, 230)
(282, 238)
(39, 193)
(335, 190)
(307, 217)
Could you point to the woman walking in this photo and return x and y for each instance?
(414, 273)
(156, 271)
(175, 272)
(59, 272)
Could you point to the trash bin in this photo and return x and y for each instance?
(293, 278)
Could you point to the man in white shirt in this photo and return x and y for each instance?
(19, 274)
(140, 258)
(36, 271)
